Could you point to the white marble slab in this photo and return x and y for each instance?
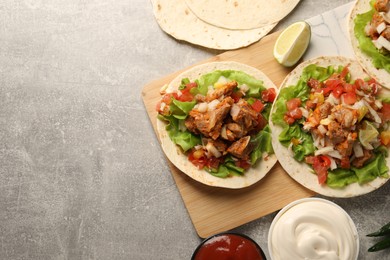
(329, 33)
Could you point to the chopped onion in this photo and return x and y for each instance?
(223, 132)
(322, 129)
(234, 110)
(384, 42)
(333, 100)
(305, 113)
(202, 107)
(213, 104)
(381, 27)
(335, 154)
(358, 149)
(162, 106)
(333, 164)
(211, 149)
(373, 113)
(244, 88)
(324, 150)
(325, 121)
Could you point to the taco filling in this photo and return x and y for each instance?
(372, 29)
(220, 121)
(338, 126)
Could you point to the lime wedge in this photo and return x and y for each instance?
(292, 43)
(367, 134)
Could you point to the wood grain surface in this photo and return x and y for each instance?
(214, 210)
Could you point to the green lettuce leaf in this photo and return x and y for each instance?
(185, 139)
(374, 169)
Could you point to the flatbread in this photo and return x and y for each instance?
(241, 14)
(180, 160)
(301, 172)
(177, 20)
(380, 75)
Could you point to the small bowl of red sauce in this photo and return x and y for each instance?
(228, 245)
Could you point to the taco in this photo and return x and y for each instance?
(213, 124)
(330, 127)
(369, 32)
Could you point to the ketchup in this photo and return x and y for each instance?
(227, 246)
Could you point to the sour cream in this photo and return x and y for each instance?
(313, 228)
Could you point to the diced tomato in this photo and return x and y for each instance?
(257, 105)
(185, 94)
(321, 164)
(359, 83)
(349, 98)
(385, 138)
(385, 112)
(243, 164)
(200, 160)
(349, 88)
(310, 104)
(295, 113)
(337, 91)
(293, 103)
(236, 96)
(344, 72)
(261, 122)
(289, 120)
(268, 95)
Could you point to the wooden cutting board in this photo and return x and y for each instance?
(214, 210)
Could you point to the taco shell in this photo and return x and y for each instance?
(302, 172)
(176, 156)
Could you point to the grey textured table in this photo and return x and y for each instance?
(82, 174)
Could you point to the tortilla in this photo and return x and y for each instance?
(302, 172)
(380, 75)
(180, 160)
(177, 20)
(243, 14)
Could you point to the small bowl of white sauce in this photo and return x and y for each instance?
(313, 228)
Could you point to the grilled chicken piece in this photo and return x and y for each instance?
(336, 133)
(225, 90)
(243, 114)
(215, 148)
(241, 148)
(358, 162)
(346, 117)
(382, 5)
(324, 110)
(209, 123)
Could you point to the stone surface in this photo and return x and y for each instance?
(82, 175)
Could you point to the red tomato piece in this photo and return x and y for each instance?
(385, 112)
(268, 95)
(321, 164)
(337, 91)
(289, 119)
(257, 106)
(293, 103)
(236, 96)
(359, 83)
(344, 72)
(349, 87)
(243, 164)
(295, 113)
(349, 98)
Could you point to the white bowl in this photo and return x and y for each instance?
(312, 227)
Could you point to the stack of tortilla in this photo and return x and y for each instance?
(220, 24)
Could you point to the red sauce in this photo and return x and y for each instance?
(228, 247)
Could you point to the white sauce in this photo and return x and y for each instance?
(314, 229)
